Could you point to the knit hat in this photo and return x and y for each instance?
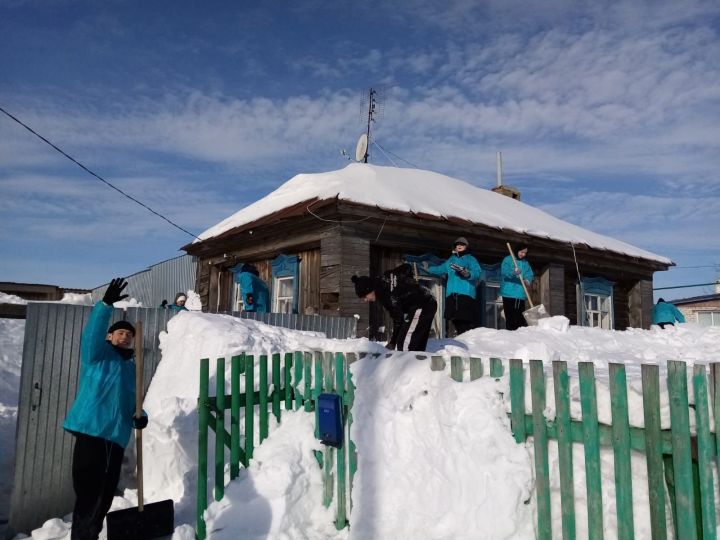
(121, 325)
(363, 285)
(461, 240)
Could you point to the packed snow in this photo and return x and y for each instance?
(417, 191)
(436, 458)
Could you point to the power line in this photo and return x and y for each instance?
(683, 286)
(383, 151)
(94, 174)
(394, 154)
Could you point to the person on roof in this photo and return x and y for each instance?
(410, 305)
(103, 413)
(664, 313)
(463, 273)
(255, 294)
(511, 287)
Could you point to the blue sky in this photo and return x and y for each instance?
(607, 114)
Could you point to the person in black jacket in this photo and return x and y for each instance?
(411, 306)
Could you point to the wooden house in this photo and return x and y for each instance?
(314, 232)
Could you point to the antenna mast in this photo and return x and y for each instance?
(374, 110)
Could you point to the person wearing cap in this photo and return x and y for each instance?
(463, 273)
(103, 414)
(410, 305)
(664, 313)
(511, 287)
(255, 293)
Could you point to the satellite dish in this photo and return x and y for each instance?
(361, 148)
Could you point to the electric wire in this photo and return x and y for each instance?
(394, 154)
(333, 220)
(385, 153)
(95, 174)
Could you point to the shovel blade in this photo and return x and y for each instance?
(156, 519)
(534, 314)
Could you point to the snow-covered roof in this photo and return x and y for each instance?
(425, 192)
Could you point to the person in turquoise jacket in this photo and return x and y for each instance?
(256, 296)
(511, 288)
(463, 273)
(103, 414)
(665, 313)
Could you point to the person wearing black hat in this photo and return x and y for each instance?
(511, 287)
(463, 273)
(664, 313)
(103, 413)
(410, 305)
(255, 292)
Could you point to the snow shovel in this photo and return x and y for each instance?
(146, 520)
(535, 313)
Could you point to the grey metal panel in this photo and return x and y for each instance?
(159, 282)
(49, 378)
(332, 327)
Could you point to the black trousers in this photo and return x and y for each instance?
(414, 333)
(513, 308)
(663, 324)
(95, 471)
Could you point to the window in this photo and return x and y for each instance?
(492, 306)
(286, 279)
(284, 297)
(237, 298)
(708, 318)
(595, 299)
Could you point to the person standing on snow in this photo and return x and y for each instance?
(665, 313)
(411, 306)
(463, 273)
(511, 288)
(103, 414)
(256, 296)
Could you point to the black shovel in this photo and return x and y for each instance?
(147, 520)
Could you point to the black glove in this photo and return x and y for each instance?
(163, 304)
(250, 299)
(114, 290)
(140, 423)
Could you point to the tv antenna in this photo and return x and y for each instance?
(372, 108)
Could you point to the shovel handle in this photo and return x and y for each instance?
(138, 408)
(522, 280)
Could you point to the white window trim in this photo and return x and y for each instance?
(277, 298)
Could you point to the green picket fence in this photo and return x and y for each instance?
(289, 381)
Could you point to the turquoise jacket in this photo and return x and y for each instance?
(177, 308)
(456, 283)
(510, 285)
(105, 402)
(250, 284)
(665, 312)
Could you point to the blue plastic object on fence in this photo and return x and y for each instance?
(330, 419)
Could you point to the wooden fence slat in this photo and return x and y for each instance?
(476, 368)
(220, 429)
(705, 453)
(540, 441)
(682, 457)
(249, 408)
(307, 374)
(203, 416)
(653, 449)
(297, 379)
(517, 400)
(437, 363)
(235, 415)
(317, 389)
(561, 386)
(715, 370)
(352, 450)
(621, 450)
(456, 368)
(329, 452)
(287, 381)
(263, 397)
(496, 367)
(341, 520)
(276, 386)
(591, 444)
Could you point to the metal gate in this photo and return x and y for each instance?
(48, 382)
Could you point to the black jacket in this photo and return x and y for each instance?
(399, 293)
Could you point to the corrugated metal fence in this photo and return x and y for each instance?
(48, 384)
(50, 369)
(159, 282)
(332, 327)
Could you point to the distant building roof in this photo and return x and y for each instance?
(696, 299)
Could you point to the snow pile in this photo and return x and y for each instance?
(436, 458)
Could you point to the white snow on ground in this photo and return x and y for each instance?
(436, 458)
